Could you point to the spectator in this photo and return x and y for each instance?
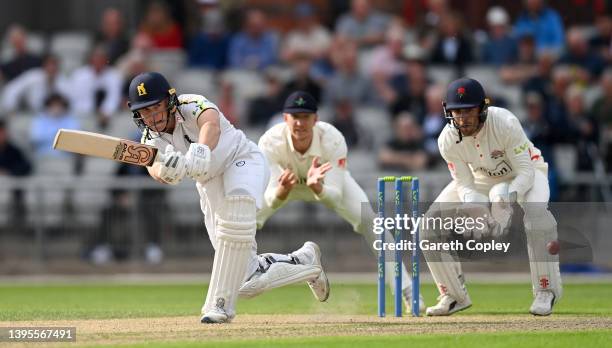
(255, 47)
(434, 121)
(525, 67)
(500, 48)
(435, 10)
(135, 61)
(601, 42)
(583, 130)
(406, 151)
(96, 88)
(46, 124)
(587, 64)
(601, 112)
(309, 36)
(363, 24)
(163, 30)
(544, 23)
(452, 46)
(387, 60)
(261, 109)
(112, 34)
(347, 82)
(556, 109)
(209, 47)
(33, 86)
(602, 108)
(21, 59)
(302, 81)
(405, 92)
(344, 121)
(13, 163)
(540, 132)
(539, 82)
(227, 102)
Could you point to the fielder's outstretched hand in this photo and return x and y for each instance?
(316, 174)
(286, 181)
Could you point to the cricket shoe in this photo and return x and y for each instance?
(543, 303)
(217, 315)
(447, 305)
(319, 286)
(407, 294)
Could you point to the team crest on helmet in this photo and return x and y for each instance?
(461, 92)
(141, 89)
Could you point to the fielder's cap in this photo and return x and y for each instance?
(148, 89)
(300, 101)
(464, 93)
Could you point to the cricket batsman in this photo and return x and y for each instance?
(308, 163)
(491, 161)
(231, 174)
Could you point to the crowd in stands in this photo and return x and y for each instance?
(556, 79)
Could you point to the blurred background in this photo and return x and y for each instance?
(378, 68)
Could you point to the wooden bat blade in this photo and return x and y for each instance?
(105, 146)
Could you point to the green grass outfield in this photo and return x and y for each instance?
(491, 301)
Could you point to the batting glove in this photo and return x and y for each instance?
(198, 161)
(173, 168)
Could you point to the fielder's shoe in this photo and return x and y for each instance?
(407, 294)
(543, 303)
(217, 315)
(448, 305)
(320, 285)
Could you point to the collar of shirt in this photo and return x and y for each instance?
(315, 146)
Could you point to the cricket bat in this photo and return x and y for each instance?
(105, 146)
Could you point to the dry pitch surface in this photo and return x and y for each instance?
(126, 331)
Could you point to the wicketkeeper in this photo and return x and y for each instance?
(492, 161)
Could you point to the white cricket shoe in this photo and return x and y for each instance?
(216, 315)
(543, 303)
(407, 294)
(447, 305)
(319, 286)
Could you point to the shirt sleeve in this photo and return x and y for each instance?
(334, 179)
(461, 174)
(518, 149)
(275, 172)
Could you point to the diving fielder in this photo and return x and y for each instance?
(492, 161)
(308, 163)
(231, 174)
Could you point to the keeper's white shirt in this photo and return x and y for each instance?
(499, 152)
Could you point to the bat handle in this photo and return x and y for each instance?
(160, 157)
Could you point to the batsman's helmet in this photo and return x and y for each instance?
(148, 89)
